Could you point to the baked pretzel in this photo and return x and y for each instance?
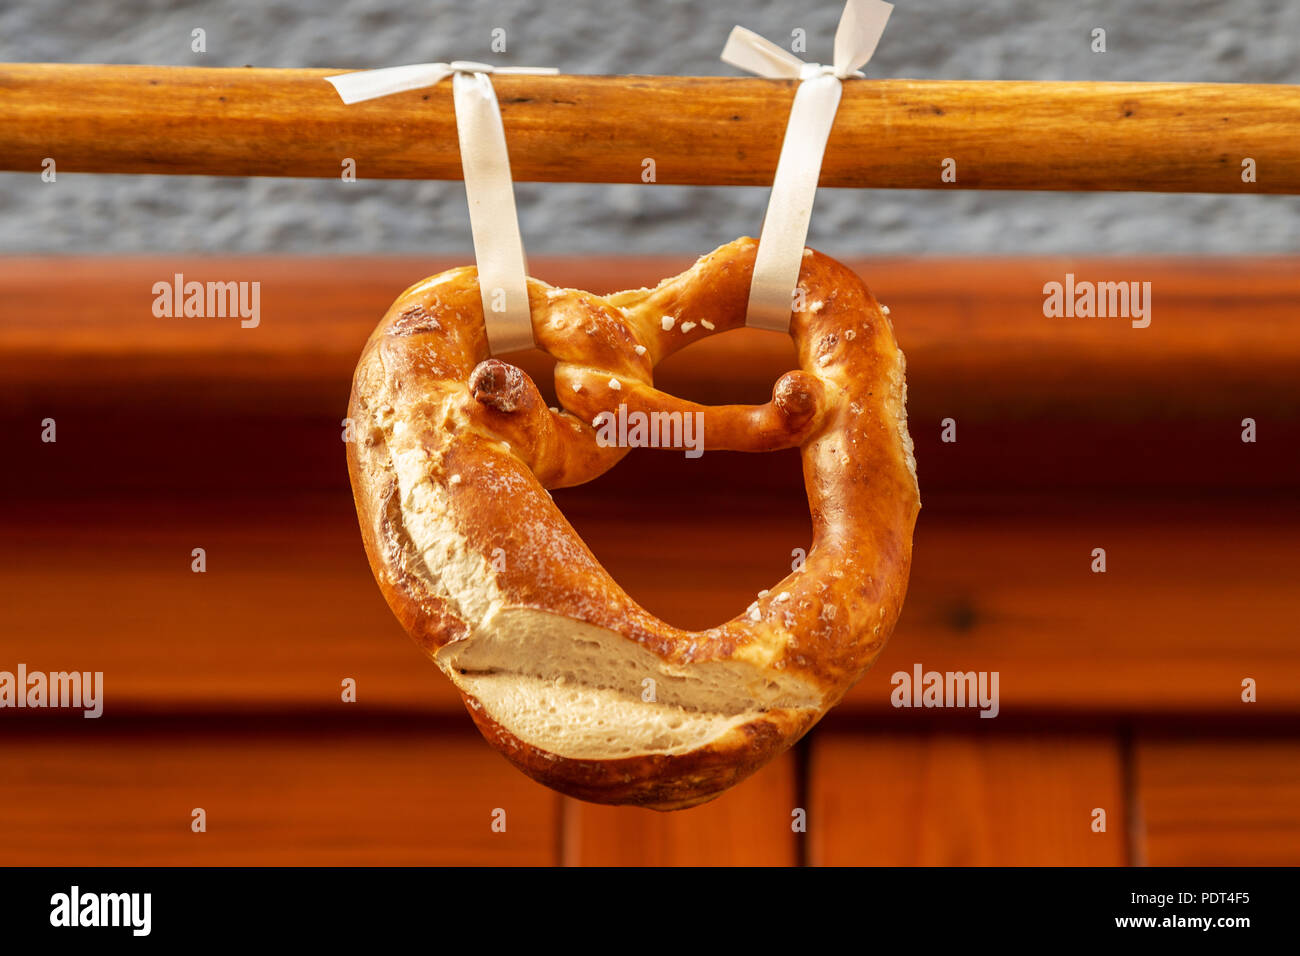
(563, 673)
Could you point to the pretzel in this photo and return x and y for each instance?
(563, 673)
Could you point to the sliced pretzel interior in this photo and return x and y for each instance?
(561, 670)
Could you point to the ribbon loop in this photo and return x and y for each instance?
(861, 26)
(812, 115)
(372, 84)
(757, 54)
(489, 188)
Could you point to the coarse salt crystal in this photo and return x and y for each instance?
(639, 349)
(707, 324)
(454, 480)
(666, 322)
(613, 383)
(687, 326)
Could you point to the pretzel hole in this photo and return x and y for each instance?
(707, 371)
(724, 526)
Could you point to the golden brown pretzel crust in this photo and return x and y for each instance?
(487, 437)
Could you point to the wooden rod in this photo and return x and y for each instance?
(1162, 137)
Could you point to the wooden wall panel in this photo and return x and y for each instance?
(324, 796)
(1219, 802)
(976, 800)
(285, 611)
(1073, 434)
(1085, 404)
(288, 607)
(747, 826)
(1196, 597)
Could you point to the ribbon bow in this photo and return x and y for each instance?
(372, 84)
(789, 209)
(861, 25)
(493, 219)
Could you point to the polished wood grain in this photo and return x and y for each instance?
(287, 607)
(965, 800)
(750, 825)
(1195, 597)
(1166, 137)
(328, 793)
(1085, 405)
(1219, 801)
(973, 328)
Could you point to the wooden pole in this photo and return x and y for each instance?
(1163, 137)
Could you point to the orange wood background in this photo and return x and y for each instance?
(1119, 692)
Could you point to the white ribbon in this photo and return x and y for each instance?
(493, 219)
(789, 209)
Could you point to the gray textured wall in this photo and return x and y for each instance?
(1205, 40)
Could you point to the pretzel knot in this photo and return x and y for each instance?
(562, 671)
